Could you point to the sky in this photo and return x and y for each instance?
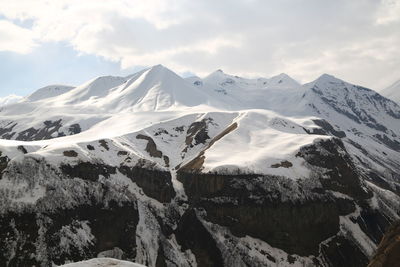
(46, 42)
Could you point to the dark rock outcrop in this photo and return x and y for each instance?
(88, 171)
(48, 131)
(260, 213)
(262, 206)
(192, 234)
(326, 129)
(151, 146)
(388, 252)
(339, 169)
(155, 184)
(3, 163)
(340, 251)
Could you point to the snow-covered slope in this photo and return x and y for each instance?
(48, 92)
(393, 91)
(103, 262)
(221, 79)
(161, 170)
(156, 88)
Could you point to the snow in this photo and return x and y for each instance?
(235, 249)
(254, 126)
(103, 262)
(48, 92)
(147, 244)
(392, 92)
(254, 148)
(77, 234)
(351, 229)
(272, 116)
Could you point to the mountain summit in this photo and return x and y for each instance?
(160, 170)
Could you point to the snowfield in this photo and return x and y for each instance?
(158, 169)
(274, 116)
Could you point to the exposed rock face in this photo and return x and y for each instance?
(388, 253)
(198, 132)
(50, 128)
(258, 214)
(265, 206)
(85, 208)
(250, 183)
(155, 184)
(6, 131)
(46, 130)
(326, 129)
(340, 251)
(151, 147)
(341, 174)
(3, 164)
(72, 219)
(88, 171)
(192, 234)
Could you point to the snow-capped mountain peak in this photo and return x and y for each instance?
(282, 80)
(156, 88)
(49, 91)
(327, 80)
(95, 88)
(138, 167)
(220, 78)
(217, 77)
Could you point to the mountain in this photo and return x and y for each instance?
(393, 91)
(219, 78)
(103, 262)
(48, 92)
(388, 252)
(215, 171)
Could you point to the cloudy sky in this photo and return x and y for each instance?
(70, 41)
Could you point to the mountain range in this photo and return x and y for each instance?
(217, 171)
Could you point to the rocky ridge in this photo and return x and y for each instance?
(164, 171)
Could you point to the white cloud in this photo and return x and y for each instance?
(9, 99)
(389, 12)
(15, 39)
(356, 40)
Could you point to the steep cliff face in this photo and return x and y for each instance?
(388, 253)
(56, 212)
(308, 217)
(150, 176)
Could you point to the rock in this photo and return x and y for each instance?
(388, 252)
